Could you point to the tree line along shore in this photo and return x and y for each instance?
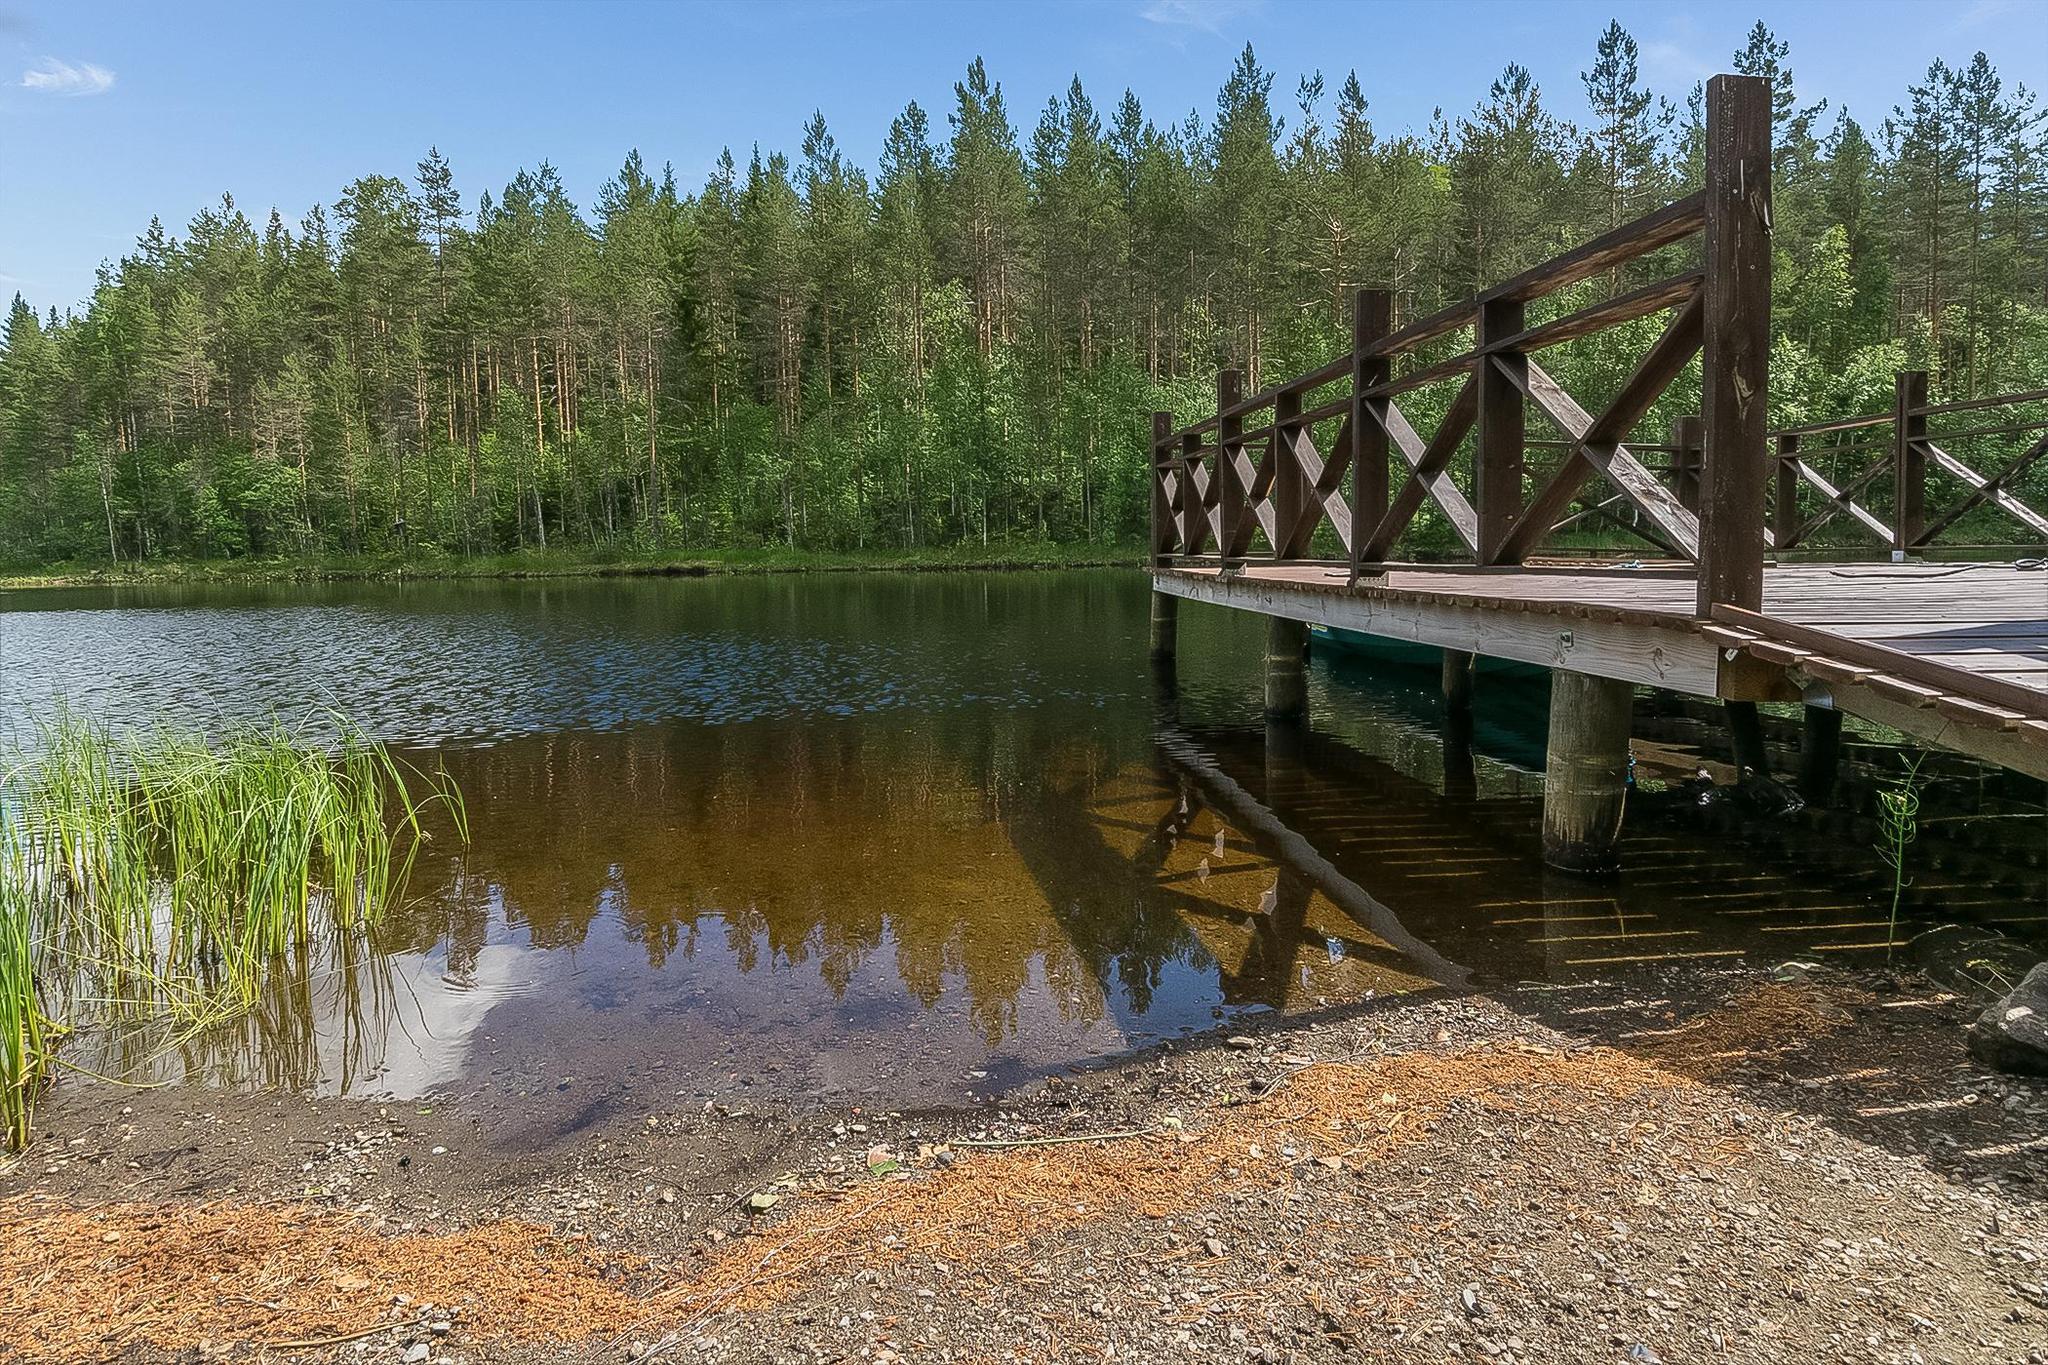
(959, 348)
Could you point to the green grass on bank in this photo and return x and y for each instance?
(573, 564)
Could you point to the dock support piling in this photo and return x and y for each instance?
(1458, 687)
(1286, 669)
(1746, 733)
(1165, 627)
(1460, 778)
(1820, 754)
(1585, 776)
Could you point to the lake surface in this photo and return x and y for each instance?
(883, 839)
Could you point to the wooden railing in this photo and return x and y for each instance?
(1257, 471)
(1920, 466)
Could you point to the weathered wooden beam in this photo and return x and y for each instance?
(1197, 512)
(1423, 330)
(1996, 400)
(1866, 654)
(1668, 654)
(1636, 303)
(1785, 501)
(1372, 315)
(1323, 486)
(1229, 452)
(1839, 424)
(1672, 223)
(1909, 461)
(1162, 537)
(1503, 427)
(1290, 490)
(1688, 434)
(1455, 367)
(1735, 368)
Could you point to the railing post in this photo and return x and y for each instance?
(1787, 505)
(1497, 468)
(1909, 461)
(1686, 439)
(1290, 489)
(1229, 442)
(1160, 460)
(1194, 513)
(1736, 354)
(1372, 317)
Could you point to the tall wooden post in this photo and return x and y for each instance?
(1687, 435)
(1585, 772)
(1786, 506)
(1165, 622)
(1497, 465)
(1290, 489)
(1372, 317)
(1229, 444)
(1736, 354)
(1909, 460)
(1161, 462)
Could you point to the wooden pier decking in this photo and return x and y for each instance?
(1953, 654)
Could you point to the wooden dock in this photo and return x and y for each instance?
(1317, 499)
(1953, 654)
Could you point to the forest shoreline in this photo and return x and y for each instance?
(701, 564)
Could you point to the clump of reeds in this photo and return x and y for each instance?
(166, 874)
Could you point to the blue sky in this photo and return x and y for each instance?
(112, 112)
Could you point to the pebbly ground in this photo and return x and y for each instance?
(1692, 1165)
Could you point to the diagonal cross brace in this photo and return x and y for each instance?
(1841, 499)
(1597, 446)
(1427, 476)
(1991, 490)
(1325, 487)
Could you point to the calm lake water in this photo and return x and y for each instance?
(885, 839)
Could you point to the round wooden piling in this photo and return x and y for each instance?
(1585, 776)
(1820, 754)
(1286, 669)
(1165, 626)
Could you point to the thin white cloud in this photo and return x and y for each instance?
(1207, 15)
(1676, 63)
(51, 76)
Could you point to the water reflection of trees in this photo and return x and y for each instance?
(839, 847)
(1012, 859)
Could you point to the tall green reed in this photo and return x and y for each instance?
(164, 875)
(1898, 825)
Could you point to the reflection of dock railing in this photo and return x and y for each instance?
(1252, 816)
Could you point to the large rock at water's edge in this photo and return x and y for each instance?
(1971, 960)
(2012, 1035)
